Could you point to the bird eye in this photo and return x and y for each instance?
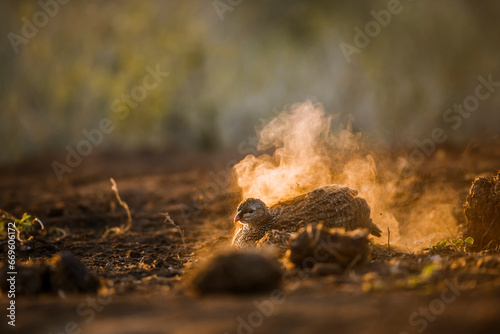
(250, 211)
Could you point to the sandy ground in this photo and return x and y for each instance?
(144, 271)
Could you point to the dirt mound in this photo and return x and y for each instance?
(482, 209)
(63, 272)
(238, 272)
(312, 245)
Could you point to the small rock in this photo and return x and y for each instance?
(69, 274)
(63, 272)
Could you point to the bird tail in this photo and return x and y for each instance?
(376, 231)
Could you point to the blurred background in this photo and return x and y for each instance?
(233, 63)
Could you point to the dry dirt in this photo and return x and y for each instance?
(145, 270)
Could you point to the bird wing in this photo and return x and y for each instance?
(334, 205)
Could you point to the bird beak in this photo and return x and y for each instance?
(237, 217)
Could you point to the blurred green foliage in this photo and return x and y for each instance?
(453, 244)
(227, 74)
(23, 227)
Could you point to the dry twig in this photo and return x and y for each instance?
(60, 232)
(121, 229)
(388, 238)
(169, 220)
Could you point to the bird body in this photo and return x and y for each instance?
(247, 236)
(334, 205)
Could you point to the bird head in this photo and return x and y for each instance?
(252, 212)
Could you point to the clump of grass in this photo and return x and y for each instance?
(123, 228)
(449, 243)
(23, 226)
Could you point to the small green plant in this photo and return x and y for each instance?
(452, 244)
(23, 226)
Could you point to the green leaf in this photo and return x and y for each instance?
(469, 241)
(441, 244)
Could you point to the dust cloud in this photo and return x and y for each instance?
(306, 148)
